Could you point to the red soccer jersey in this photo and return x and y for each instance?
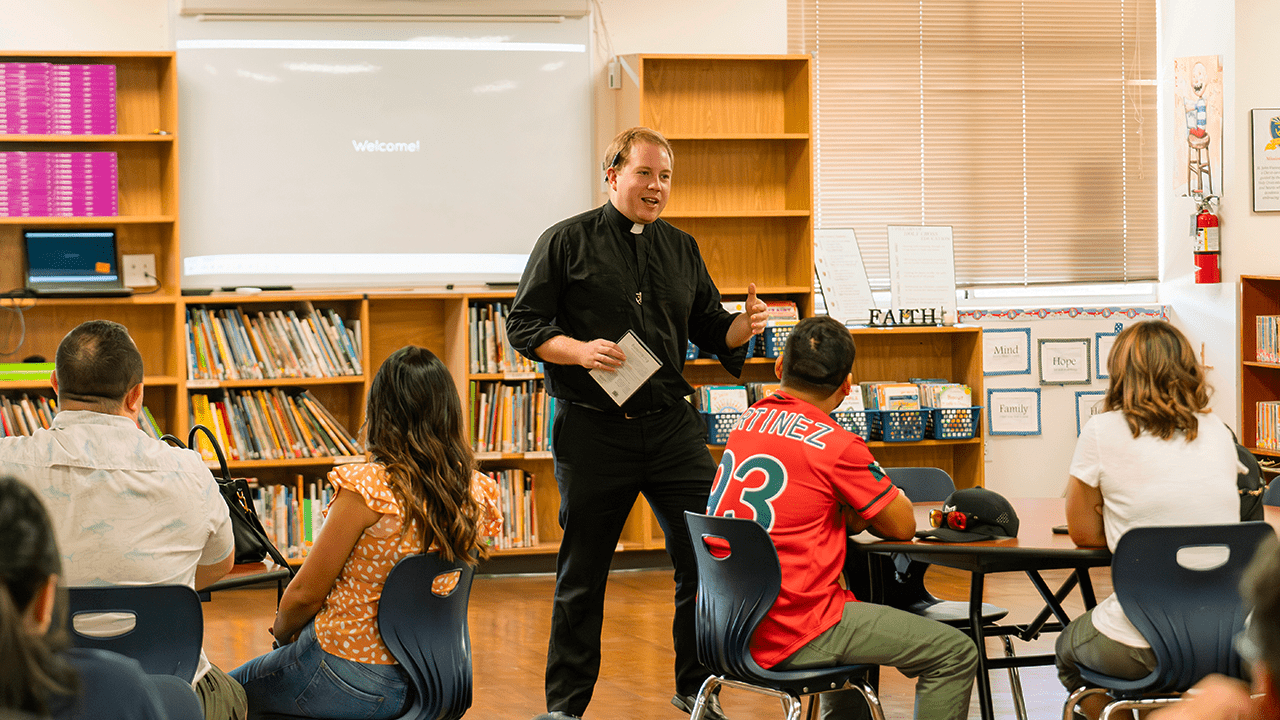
(790, 467)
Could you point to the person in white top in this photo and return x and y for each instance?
(1155, 456)
(127, 509)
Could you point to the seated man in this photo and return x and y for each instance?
(126, 508)
(811, 483)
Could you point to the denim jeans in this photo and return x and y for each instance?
(301, 679)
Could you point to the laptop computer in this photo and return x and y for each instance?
(73, 263)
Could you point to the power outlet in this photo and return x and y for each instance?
(139, 270)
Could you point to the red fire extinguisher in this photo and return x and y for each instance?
(1207, 243)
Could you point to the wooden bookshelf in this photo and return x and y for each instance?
(146, 102)
(1259, 381)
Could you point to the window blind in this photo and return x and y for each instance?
(1028, 126)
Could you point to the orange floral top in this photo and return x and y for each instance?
(347, 624)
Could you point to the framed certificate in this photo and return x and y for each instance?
(1265, 131)
(1102, 343)
(1064, 362)
(1006, 351)
(1088, 404)
(1013, 411)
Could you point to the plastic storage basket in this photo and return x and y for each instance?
(719, 425)
(897, 425)
(952, 423)
(855, 421)
(775, 339)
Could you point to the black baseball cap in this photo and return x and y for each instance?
(989, 516)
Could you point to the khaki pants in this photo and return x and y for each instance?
(944, 659)
(221, 697)
(1080, 643)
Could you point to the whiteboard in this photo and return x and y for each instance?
(377, 153)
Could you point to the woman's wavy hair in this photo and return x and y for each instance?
(1156, 381)
(30, 669)
(414, 426)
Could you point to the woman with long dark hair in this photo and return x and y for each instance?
(1156, 455)
(39, 674)
(419, 490)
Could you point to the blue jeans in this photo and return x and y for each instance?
(303, 680)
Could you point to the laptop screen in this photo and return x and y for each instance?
(70, 259)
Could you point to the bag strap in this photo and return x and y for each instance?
(246, 504)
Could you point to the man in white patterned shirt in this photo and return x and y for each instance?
(127, 509)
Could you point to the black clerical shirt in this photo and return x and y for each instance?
(590, 277)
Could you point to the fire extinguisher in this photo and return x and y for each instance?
(1207, 244)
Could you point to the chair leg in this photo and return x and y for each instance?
(709, 687)
(1073, 700)
(869, 694)
(1015, 681)
(793, 706)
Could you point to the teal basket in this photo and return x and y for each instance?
(775, 340)
(855, 421)
(952, 423)
(719, 425)
(897, 425)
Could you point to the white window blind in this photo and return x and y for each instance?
(1028, 126)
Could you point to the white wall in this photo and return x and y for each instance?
(1207, 313)
(134, 25)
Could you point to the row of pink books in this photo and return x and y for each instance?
(56, 99)
(59, 184)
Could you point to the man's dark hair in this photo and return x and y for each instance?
(818, 356)
(97, 364)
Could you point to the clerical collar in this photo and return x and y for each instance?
(620, 221)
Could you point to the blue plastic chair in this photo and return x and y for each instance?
(1189, 616)
(428, 634)
(168, 625)
(1271, 496)
(735, 591)
(907, 591)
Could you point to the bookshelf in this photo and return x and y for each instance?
(147, 223)
(1259, 379)
(741, 129)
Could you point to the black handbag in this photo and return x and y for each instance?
(252, 543)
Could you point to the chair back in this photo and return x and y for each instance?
(168, 625)
(1189, 615)
(424, 624)
(739, 578)
(922, 484)
(1271, 496)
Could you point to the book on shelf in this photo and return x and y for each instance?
(880, 395)
(519, 509)
(510, 417)
(757, 391)
(271, 424)
(943, 394)
(488, 349)
(228, 343)
(717, 399)
(1268, 338)
(292, 514)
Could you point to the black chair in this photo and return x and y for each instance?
(168, 625)
(735, 591)
(1189, 615)
(904, 582)
(428, 635)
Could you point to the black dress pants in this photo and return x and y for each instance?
(603, 461)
